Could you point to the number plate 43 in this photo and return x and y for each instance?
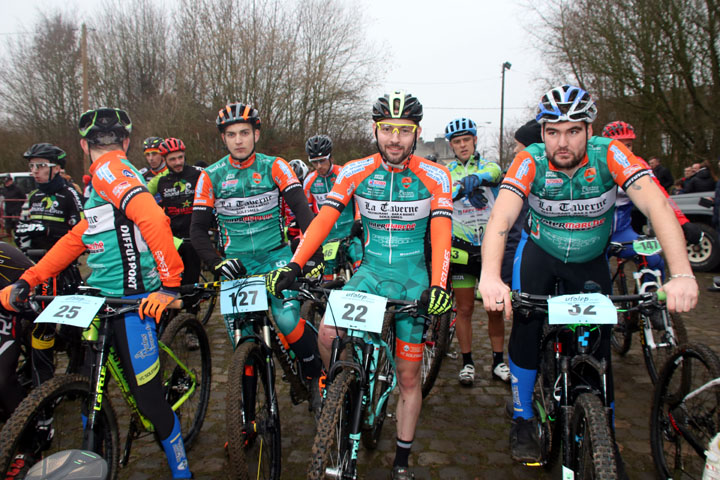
(355, 311)
(581, 308)
(244, 295)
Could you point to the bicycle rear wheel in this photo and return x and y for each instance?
(591, 440)
(680, 427)
(253, 418)
(187, 339)
(437, 342)
(49, 420)
(664, 342)
(331, 450)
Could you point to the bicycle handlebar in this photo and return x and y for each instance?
(528, 299)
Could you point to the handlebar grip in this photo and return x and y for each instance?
(661, 296)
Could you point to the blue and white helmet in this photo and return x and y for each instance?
(460, 126)
(566, 104)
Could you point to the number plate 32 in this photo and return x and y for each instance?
(75, 310)
(581, 308)
(244, 295)
(355, 311)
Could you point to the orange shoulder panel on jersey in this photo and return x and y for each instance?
(521, 174)
(623, 165)
(436, 179)
(283, 174)
(204, 193)
(112, 179)
(62, 254)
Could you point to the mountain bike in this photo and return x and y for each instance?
(358, 387)
(253, 416)
(661, 332)
(440, 330)
(570, 400)
(74, 411)
(685, 412)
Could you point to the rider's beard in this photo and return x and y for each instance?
(395, 158)
(573, 162)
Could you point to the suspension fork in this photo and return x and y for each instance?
(97, 381)
(360, 398)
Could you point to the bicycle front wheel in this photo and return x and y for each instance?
(383, 378)
(621, 338)
(681, 427)
(437, 342)
(253, 418)
(661, 338)
(49, 420)
(592, 441)
(186, 373)
(331, 450)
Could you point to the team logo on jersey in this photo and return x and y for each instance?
(619, 156)
(103, 173)
(553, 182)
(128, 173)
(180, 186)
(119, 188)
(256, 178)
(406, 182)
(590, 174)
(523, 169)
(47, 203)
(377, 183)
(229, 183)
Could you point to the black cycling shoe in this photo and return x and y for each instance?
(524, 441)
(402, 473)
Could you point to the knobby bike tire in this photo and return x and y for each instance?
(436, 345)
(544, 404)
(180, 335)
(383, 382)
(62, 399)
(592, 440)
(656, 358)
(331, 447)
(621, 338)
(685, 371)
(207, 305)
(252, 416)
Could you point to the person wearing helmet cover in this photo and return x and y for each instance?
(53, 209)
(474, 190)
(243, 191)
(571, 183)
(174, 190)
(405, 207)
(317, 186)
(131, 255)
(153, 157)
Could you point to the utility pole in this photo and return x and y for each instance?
(85, 106)
(505, 66)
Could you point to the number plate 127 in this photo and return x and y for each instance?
(581, 308)
(75, 310)
(244, 295)
(355, 311)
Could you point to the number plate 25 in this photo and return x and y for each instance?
(581, 308)
(244, 295)
(75, 310)
(355, 311)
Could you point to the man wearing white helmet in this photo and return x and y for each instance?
(570, 182)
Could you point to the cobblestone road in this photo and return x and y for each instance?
(463, 432)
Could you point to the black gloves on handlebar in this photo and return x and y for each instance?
(437, 300)
(281, 278)
(14, 295)
(230, 268)
(693, 233)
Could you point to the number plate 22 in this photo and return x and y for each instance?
(581, 308)
(355, 311)
(244, 295)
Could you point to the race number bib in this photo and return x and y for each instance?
(244, 295)
(74, 310)
(647, 246)
(581, 308)
(330, 250)
(355, 311)
(459, 256)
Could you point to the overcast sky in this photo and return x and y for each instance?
(448, 53)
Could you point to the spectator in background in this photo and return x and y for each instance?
(14, 199)
(703, 181)
(661, 173)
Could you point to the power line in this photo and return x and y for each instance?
(475, 108)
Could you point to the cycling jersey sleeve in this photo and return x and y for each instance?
(202, 218)
(62, 254)
(310, 197)
(437, 179)
(292, 192)
(520, 175)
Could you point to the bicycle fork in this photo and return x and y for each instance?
(97, 334)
